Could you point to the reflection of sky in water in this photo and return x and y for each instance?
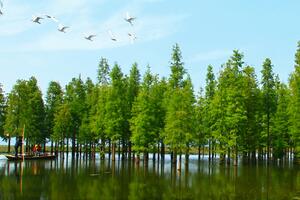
(68, 178)
(92, 166)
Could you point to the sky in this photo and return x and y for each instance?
(206, 31)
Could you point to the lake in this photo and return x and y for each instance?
(85, 178)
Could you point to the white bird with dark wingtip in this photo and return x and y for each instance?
(36, 19)
(90, 37)
(112, 37)
(1, 7)
(132, 37)
(51, 17)
(129, 18)
(62, 28)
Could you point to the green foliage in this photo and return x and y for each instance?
(62, 123)
(26, 107)
(252, 102)
(282, 135)
(54, 99)
(75, 97)
(177, 68)
(294, 106)
(115, 117)
(180, 111)
(103, 72)
(269, 99)
(147, 114)
(234, 114)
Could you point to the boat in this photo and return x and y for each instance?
(31, 157)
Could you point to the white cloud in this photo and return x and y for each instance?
(80, 16)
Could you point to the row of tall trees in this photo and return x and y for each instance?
(235, 114)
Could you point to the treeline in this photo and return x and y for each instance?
(235, 114)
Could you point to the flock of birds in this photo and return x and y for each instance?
(62, 28)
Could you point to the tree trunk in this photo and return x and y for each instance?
(124, 149)
(187, 156)
(67, 145)
(44, 147)
(162, 150)
(235, 159)
(113, 151)
(8, 146)
(228, 156)
(109, 147)
(209, 150)
(158, 152)
(179, 162)
(199, 151)
(129, 150)
(51, 147)
(74, 142)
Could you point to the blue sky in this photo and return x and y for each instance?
(207, 32)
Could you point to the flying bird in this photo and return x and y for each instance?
(1, 7)
(132, 37)
(112, 37)
(51, 17)
(129, 19)
(36, 19)
(62, 28)
(90, 37)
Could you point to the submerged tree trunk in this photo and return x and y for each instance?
(129, 150)
(162, 150)
(228, 156)
(187, 156)
(109, 147)
(209, 150)
(235, 159)
(199, 151)
(180, 160)
(51, 147)
(113, 151)
(44, 149)
(8, 146)
(67, 145)
(74, 142)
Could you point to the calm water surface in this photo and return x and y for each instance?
(84, 178)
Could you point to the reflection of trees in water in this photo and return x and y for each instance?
(83, 178)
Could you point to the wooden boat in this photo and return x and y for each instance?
(31, 157)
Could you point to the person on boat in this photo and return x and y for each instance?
(39, 149)
(18, 144)
(34, 149)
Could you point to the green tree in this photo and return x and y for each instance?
(177, 68)
(200, 115)
(269, 100)
(62, 124)
(115, 116)
(207, 109)
(252, 100)
(281, 120)
(179, 122)
(132, 93)
(16, 109)
(103, 72)
(26, 108)
(143, 117)
(54, 99)
(294, 106)
(35, 129)
(229, 109)
(75, 97)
